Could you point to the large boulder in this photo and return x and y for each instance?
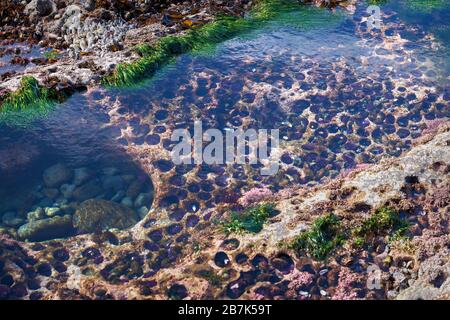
(40, 8)
(97, 215)
(47, 229)
(81, 175)
(56, 175)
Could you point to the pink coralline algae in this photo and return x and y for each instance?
(430, 131)
(347, 281)
(441, 196)
(287, 193)
(300, 279)
(433, 127)
(256, 296)
(256, 195)
(430, 243)
(359, 167)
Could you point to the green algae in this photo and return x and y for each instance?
(167, 48)
(321, 239)
(51, 54)
(206, 38)
(250, 220)
(327, 233)
(28, 102)
(212, 277)
(29, 94)
(384, 220)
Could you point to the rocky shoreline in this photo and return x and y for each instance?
(83, 41)
(140, 263)
(377, 231)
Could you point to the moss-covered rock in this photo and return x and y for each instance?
(46, 229)
(97, 215)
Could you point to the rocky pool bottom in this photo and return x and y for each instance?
(160, 260)
(66, 201)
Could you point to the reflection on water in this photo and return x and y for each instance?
(340, 94)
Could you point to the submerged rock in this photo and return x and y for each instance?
(95, 215)
(143, 199)
(36, 214)
(143, 211)
(10, 219)
(127, 201)
(82, 175)
(114, 183)
(87, 191)
(52, 211)
(47, 229)
(67, 190)
(57, 175)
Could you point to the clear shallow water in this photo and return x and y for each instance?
(7, 53)
(339, 93)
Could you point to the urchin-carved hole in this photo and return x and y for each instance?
(360, 207)
(439, 279)
(411, 179)
(438, 165)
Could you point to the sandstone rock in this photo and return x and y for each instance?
(68, 209)
(118, 196)
(69, 20)
(46, 229)
(95, 215)
(110, 171)
(71, 10)
(51, 193)
(134, 188)
(128, 178)
(57, 175)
